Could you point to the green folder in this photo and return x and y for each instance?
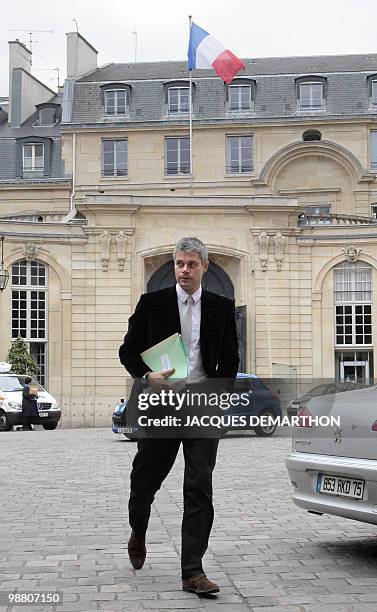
(167, 354)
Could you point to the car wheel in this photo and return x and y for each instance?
(4, 423)
(49, 425)
(266, 430)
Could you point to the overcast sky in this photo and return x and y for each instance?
(248, 28)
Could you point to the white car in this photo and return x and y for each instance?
(11, 386)
(333, 469)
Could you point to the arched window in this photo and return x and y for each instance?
(310, 135)
(353, 303)
(29, 310)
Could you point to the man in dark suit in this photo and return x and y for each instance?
(207, 324)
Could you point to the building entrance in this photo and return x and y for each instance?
(355, 366)
(215, 280)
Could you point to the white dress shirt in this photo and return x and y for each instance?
(195, 367)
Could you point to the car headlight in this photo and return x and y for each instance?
(14, 405)
(55, 406)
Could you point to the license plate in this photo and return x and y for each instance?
(43, 414)
(337, 485)
(125, 430)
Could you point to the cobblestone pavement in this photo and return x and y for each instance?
(63, 513)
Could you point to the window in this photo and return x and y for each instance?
(239, 154)
(32, 160)
(114, 157)
(353, 282)
(177, 155)
(354, 324)
(29, 309)
(116, 101)
(310, 135)
(239, 97)
(310, 96)
(47, 116)
(353, 298)
(373, 151)
(178, 99)
(374, 211)
(49, 113)
(374, 92)
(316, 215)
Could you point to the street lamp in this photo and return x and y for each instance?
(4, 274)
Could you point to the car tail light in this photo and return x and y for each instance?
(304, 417)
(374, 426)
(275, 396)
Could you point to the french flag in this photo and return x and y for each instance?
(206, 52)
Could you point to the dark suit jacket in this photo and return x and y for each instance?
(157, 316)
(29, 403)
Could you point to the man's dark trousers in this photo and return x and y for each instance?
(152, 463)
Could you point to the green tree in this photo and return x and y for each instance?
(20, 358)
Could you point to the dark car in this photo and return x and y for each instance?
(261, 402)
(119, 426)
(325, 388)
(251, 398)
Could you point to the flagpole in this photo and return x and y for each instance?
(190, 110)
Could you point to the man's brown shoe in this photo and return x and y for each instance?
(200, 585)
(137, 551)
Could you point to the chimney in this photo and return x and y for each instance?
(25, 91)
(81, 56)
(19, 57)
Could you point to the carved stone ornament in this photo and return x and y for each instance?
(279, 240)
(105, 240)
(352, 253)
(121, 240)
(30, 250)
(263, 249)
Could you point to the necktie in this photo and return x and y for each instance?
(186, 323)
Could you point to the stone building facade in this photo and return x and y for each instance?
(283, 191)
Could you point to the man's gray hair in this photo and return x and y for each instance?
(192, 245)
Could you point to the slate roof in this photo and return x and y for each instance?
(276, 95)
(8, 140)
(254, 67)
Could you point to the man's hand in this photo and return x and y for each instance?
(157, 380)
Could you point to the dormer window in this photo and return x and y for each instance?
(374, 92)
(48, 114)
(33, 157)
(311, 93)
(372, 88)
(177, 97)
(116, 99)
(32, 160)
(241, 95)
(311, 96)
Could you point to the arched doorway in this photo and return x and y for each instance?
(215, 280)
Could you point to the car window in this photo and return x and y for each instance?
(10, 383)
(259, 385)
(244, 384)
